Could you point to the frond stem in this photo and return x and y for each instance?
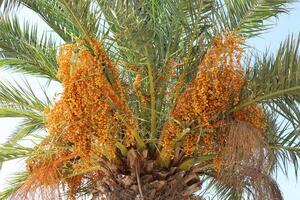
(82, 30)
(138, 179)
(265, 97)
(152, 98)
(286, 148)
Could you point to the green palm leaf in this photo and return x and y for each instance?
(8, 152)
(249, 16)
(275, 81)
(26, 128)
(9, 4)
(21, 102)
(285, 145)
(22, 50)
(17, 97)
(148, 34)
(16, 181)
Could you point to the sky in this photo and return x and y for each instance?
(285, 25)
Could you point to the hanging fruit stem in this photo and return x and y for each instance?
(152, 99)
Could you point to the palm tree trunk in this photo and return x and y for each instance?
(145, 181)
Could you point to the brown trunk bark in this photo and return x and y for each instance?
(178, 186)
(145, 181)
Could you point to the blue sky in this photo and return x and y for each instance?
(286, 24)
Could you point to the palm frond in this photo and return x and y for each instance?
(15, 96)
(22, 50)
(15, 182)
(21, 102)
(52, 13)
(284, 151)
(82, 15)
(11, 112)
(68, 19)
(9, 152)
(288, 157)
(249, 16)
(7, 5)
(153, 33)
(26, 128)
(275, 81)
(174, 27)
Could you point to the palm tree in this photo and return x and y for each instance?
(160, 99)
